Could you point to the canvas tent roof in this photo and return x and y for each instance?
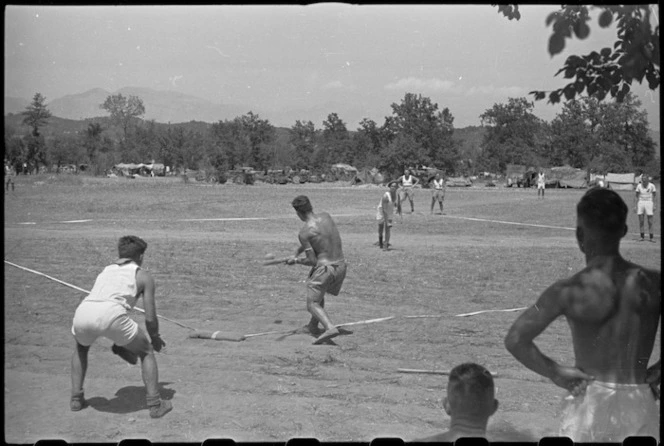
(344, 167)
(567, 177)
(368, 176)
(620, 181)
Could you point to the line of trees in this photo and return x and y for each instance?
(588, 133)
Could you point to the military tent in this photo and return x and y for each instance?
(566, 176)
(620, 181)
(458, 182)
(343, 172)
(368, 176)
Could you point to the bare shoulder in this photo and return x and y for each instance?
(583, 293)
(144, 277)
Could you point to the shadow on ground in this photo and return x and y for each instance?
(128, 399)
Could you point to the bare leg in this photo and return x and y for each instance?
(433, 202)
(317, 311)
(79, 367)
(387, 236)
(150, 373)
(380, 234)
(650, 222)
(641, 218)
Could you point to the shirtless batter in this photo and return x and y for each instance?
(321, 244)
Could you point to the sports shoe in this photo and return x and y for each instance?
(77, 402)
(161, 409)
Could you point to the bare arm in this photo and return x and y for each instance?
(309, 254)
(520, 342)
(145, 281)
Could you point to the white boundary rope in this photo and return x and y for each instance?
(88, 292)
(488, 311)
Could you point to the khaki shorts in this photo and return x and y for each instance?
(407, 192)
(325, 279)
(95, 319)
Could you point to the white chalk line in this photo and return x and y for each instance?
(458, 217)
(534, 225)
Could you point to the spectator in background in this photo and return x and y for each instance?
(437, 192)
(644, 203)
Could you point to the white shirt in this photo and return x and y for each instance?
(407, 182)
(645, 193)
(438, 184)
(116, 284)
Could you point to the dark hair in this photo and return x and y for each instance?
(302, 204)
(470, 390)
(604, 210)
(131, 247)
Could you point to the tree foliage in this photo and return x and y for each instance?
(123, 110)
(603, 136)
(635, 54)
(335, 142)
(36, 114)
(514, 135)
(424, 127)
(303, 139)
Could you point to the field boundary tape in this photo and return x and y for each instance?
(510, 222)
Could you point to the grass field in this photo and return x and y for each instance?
(495, 248)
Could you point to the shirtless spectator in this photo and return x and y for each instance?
(470, 401)
(613, 309)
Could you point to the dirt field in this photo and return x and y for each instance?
(206, 245)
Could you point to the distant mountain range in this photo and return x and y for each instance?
(161, 106)
(172, 107)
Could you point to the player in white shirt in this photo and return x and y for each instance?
(437, 192)
(644, 203)
(541, 183)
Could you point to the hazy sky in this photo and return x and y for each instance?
(356, 59)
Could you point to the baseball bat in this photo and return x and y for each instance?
(276, 261)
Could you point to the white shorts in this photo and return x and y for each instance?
(610, 412)
(540, 185)
(107, 319)
(644, 207)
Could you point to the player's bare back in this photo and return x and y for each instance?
(322, 234)
(613, 309)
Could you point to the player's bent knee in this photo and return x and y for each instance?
(140, 345)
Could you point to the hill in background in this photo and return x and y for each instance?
(72, 113)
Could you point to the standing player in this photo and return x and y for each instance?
(613, 309)
(408, 182)
(10, 173)
(541, 183)
(384, 215)
(644, 203)
(438, 192)
(321, 243)
(104, 313)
